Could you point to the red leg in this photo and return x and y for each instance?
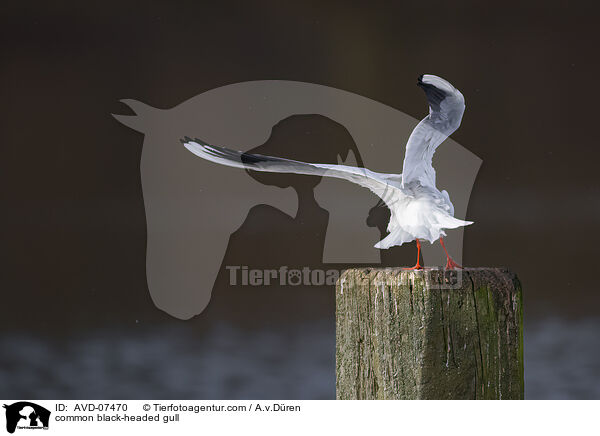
(450, 264)
(418, 265)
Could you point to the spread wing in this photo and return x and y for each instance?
(378, 183)
(446, 108)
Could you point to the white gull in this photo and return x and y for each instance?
(419, 210)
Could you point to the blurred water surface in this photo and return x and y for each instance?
(562, 361)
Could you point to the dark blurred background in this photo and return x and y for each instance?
(74, 294)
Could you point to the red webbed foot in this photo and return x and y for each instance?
(450, 264)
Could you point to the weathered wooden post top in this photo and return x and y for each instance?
(429, 334)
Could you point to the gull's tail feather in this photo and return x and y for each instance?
(430, 226)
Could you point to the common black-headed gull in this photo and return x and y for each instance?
(418, 209)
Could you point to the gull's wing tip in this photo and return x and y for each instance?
(428, 80)
(186, 140)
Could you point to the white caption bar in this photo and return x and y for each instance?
(23, 417)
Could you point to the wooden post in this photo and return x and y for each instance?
(429, 334)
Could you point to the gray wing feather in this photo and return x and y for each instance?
(378, 183)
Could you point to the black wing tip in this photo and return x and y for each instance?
(225, 153)
(434, 94)
(420, 82)
(187, 139)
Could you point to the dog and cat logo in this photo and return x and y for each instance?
(26, 415)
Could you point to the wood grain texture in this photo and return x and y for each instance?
(429, 334)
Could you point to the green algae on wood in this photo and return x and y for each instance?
(429, 334)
